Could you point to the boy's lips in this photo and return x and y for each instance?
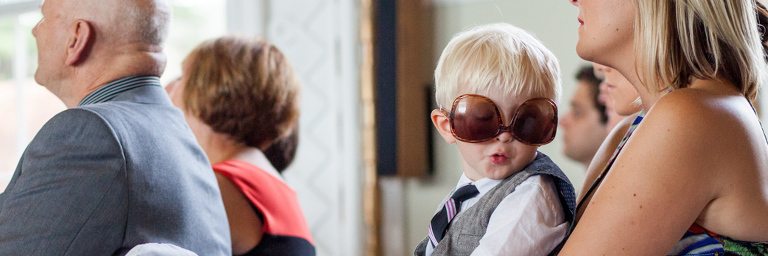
(499, 158)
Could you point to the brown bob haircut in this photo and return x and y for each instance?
(244, 88)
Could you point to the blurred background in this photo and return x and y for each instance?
(370, 168)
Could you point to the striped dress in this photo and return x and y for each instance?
(699, 241)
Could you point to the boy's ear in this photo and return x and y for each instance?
(443, 125)
(78, 45)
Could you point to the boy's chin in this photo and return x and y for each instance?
(500, 174)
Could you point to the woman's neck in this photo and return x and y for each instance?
(649, 97)
(256, 157)
(219, 147)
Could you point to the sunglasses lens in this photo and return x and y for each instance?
(475, 119)
(536, 122)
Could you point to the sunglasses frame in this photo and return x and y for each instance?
(502, 127)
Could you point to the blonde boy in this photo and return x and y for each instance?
(496, 86)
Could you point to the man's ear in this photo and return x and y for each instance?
(79, 43)
(443, 125)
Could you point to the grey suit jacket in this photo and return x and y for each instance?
(101, 178)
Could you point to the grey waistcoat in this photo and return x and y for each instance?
(465, 231)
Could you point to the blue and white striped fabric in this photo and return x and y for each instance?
(109, 91)
(698, 244)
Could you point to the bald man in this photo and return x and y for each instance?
(119, 167)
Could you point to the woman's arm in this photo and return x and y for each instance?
(657, 187)
(603, 154)
(244, 225)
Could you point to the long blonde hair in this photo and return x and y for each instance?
(680, 40)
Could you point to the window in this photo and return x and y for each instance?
(25, 106)
(193, 22)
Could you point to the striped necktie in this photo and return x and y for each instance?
(439, 223)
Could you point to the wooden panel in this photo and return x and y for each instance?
(414, 73)
(403, 71)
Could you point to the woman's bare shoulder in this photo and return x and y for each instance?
(716, 114)
(718, 141)
(681, 105)
(698, 133)
(604, 153)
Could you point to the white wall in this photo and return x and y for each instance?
(554, 23)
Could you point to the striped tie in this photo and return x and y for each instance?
(439, 223)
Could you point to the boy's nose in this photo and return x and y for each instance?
(505, 136)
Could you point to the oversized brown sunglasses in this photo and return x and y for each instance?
(475, 118)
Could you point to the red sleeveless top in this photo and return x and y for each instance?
(284, 225)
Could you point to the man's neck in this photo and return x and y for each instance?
(88, 79)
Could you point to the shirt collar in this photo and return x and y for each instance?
(112, 89)
(483, 185)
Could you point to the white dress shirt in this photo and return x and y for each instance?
(529, 221)
(158, 249)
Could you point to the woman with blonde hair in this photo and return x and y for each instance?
(240, 96)
(693, 177)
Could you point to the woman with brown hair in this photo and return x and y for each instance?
(240, 96)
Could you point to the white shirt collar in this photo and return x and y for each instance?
(483, 185)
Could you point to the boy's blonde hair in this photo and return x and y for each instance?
(677, 41)
(492, 57)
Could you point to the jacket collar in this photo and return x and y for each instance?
(112, 89)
